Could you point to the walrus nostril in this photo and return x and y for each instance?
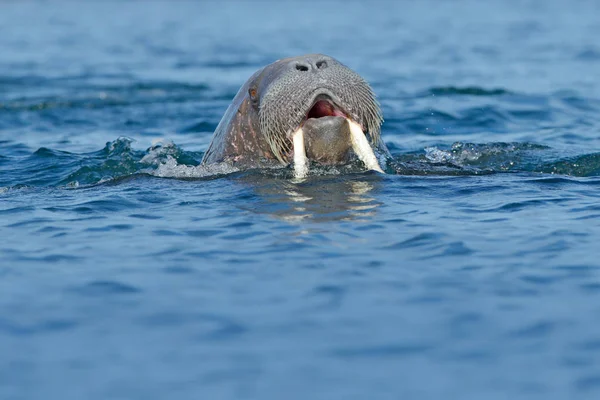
(302, 67)
(321, 64)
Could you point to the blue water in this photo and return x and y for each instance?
(469, 271)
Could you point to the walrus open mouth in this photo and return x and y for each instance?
(324, 108)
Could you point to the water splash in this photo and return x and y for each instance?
(171, 168)
(164, 159)
(476, 159)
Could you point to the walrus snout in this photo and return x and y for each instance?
(327, 139)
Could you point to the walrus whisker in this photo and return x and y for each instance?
(300, 160)
(361, 147)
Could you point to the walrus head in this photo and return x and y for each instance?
(310, 106)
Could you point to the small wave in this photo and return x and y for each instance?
(468, 159)
(163, 159)
(91, 95)
(470, 153)
(465, 91)
(586, 165)
(475, 159)
(118, 160)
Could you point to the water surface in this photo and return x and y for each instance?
(470, 270)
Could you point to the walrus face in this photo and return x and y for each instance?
(296, 109)
(319, 96)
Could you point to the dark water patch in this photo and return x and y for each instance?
(484, 118)
(167, 319)
(11, 82)
(589, 345)
(422, 239)
(101, 206)
(589, 217)
(199, 233)
(577, 269)
(11, 148)
(520, 205)
(217, 328)
(465, 91)
(111, 228)
(91, 96)
(29, 222)
(239, 225)
(457, 249)
(464, 320)
(480, 357)
(577, 362)
(49, 326)
(592, 288)
(249, 234)
(542, 280)
(589, 106)
(178, 270)
(383, 351)
(53, 258)
(106, 288)
(146, 216)
(556, 181)
(199, 127)
(56, 258)
(423, 300)
(534, 331)
(589, 55)
(51, 229)
(328, 296)
(584, 165)
(588, 383)
(17, 210)
(166, 232)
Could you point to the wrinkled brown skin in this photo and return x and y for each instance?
(238, 139)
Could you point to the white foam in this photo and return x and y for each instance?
(438, 156)
(162, 154)
(170, 168)
(160, 149)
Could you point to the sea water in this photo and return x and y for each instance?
(470, 270)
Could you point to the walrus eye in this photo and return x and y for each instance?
(253, 94)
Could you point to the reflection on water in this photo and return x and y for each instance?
(317, 198)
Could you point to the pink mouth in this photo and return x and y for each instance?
(323, 108)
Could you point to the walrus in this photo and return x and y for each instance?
(310, 107)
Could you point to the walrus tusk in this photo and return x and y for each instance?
(361, 147)
(300, 161)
